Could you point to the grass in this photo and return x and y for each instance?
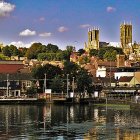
(115, 106)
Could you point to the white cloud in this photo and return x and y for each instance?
(46, 34)
(110, 9)
(42, 19)
(21, 44)
(6, 8)
(27, 32)
(62, 29)
(85, 25)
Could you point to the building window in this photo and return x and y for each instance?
(28, 83)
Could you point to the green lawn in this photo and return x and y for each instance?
(114, 106)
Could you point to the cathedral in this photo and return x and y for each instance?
(93, 40)
(126, 38)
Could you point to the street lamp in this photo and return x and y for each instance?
(67, 85)
(110, 73)
(45, 83)
(73, 86)
(7, 92)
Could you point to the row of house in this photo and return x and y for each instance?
(112, 73)
(16, 78)
(123, 81)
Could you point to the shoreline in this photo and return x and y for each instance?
(27, 101)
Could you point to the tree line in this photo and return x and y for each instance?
(53, 52)
(56, 78)
(38, 51)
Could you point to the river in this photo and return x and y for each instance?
(68, 122)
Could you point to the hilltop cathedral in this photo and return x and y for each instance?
(125, 40)
(93, 40)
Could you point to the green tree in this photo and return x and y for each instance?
(84, 81)
(70, 68)
(93, 52)
(51, 72)
(60, 56)
(110, 55)
(67, 52)
(34, 50)
(22, 51)
(31, 92)
(84, 59)
(108, 50)
(3, 57)
(50, 48)
(13, 50)
(57, 84)
(6, 51)
(81, 51)
(101, 52)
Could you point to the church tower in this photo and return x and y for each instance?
(126, 37)
(93, 40)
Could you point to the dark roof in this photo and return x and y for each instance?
(108, 79)
(16, 76)
(104, 80)
(125, 78)
(128, 69)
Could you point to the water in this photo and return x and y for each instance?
(58, 122)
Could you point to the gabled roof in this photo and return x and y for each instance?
(10, 68)
(108, 79)
(125, 78)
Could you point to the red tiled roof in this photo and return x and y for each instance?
(10, 68)
(107, 63)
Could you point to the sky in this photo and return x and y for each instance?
(65, 22)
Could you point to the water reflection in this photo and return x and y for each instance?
(68, 122)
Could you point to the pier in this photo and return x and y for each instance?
(27, 101)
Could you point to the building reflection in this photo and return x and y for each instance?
(91, 122)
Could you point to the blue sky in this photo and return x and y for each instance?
(65, 22)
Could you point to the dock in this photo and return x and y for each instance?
(22, 101)
(78, 100)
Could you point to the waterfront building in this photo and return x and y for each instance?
(15, 84)
(125, 81)
(126, 71)
(15, 78)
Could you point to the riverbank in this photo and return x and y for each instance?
(78, 100)
(27, 101)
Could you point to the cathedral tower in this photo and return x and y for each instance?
(126, 38)
(93, 40)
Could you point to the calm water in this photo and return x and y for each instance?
(53, 122)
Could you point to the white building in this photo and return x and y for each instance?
(101, 72)
(120, 74)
